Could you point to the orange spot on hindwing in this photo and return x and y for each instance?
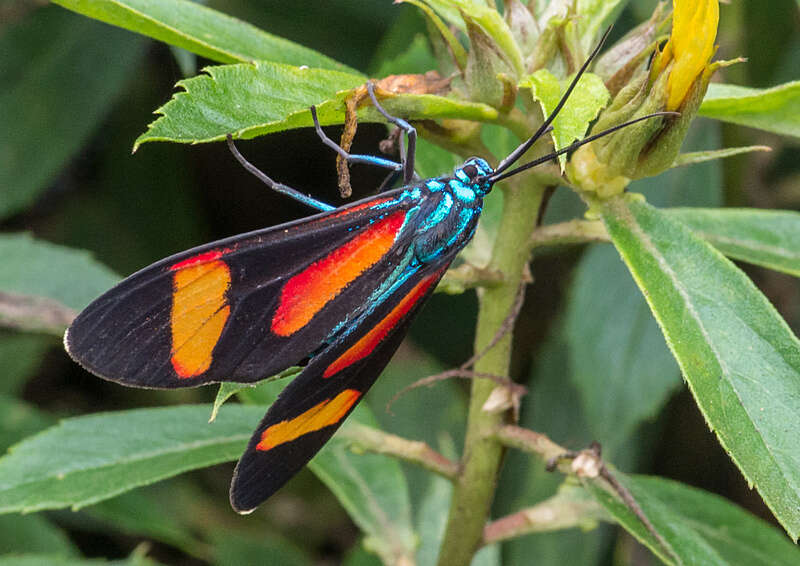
(199, 311)
(371, 339)
(305, 294)
(329, 412)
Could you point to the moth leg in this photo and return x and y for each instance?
(388, 181)
(352, 158)
(274, 185)
(407, 156)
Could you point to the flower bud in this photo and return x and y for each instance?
(677, 82)
(522, 25)
(486, 68)
(623, 60)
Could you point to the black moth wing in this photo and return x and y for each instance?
(261, 472)
(124, 335)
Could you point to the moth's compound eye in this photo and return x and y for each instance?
(471, 171)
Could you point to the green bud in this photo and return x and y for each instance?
(488, 74)
(522, 25)
(627, 57)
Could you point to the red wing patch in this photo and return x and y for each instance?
(326, 413)
(367, 343)
(199, 311)
(198, 259)
(305, 294)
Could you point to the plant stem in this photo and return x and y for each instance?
(557, 513)
(412, 451)
(570, 232)
(475, 486)
(529, 441)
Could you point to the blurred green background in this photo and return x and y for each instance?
(75, 93)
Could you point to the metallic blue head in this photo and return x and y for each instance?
(475, 173)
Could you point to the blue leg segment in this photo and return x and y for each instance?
(411, 133)
(351, 158)
(275, 186)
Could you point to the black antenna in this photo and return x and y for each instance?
(499, 177)
(546, 125)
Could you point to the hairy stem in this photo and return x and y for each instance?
(570, 232)
(415, 452)
(475, 486)
(557, 513)
(529, 441)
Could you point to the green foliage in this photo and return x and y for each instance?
(33, 534)
(88, 459)
(57, 560)
(618, 359)
(47, 284)
(41, 269)
(774, 109)
(603, 357)
(63, 71)
(590, 96)
(233, 549)
(735, 351)
(699, 528)
(201, 30)
(262, 98)
(770, 238)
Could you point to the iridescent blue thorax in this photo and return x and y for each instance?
(452, 207)
(442, 216)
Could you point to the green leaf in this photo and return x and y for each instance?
(739, 357)
(87, 459)
(201, 30)
(56, 560)
(553, 405)
(417, 58)
(36, 267)
(431, 523)
(584, 104)
(775, 109)
(448, 10)
(61, 75)
(490, 20)
(141, 513)
(257, 99)
(698, 186)
(595, 17)
(695, 157)
(44, 284)
(458, 51)
(33, 534)
(432, 519)
(20, 357)
(18, 420)
(618, 359)
(227, 389)
(769, 238)
(373, 490)
(701, 528)
(232, 548)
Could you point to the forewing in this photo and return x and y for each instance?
(315, 404)
(243, 308)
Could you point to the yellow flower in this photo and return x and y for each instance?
(676, 81)
(690, 46)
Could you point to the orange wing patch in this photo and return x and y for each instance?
(367, 343)
(305, 294)
(327, 413)
(199, 311)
